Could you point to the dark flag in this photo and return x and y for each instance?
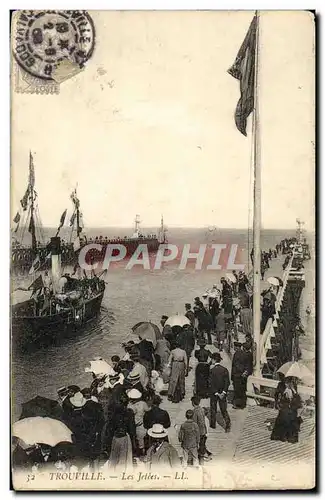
(31, 179)
(24, 200)
(243, 70)
(62, 219)
(37, 284)
(17, 218)
(35, 265)
(72, 219)
(31, 227)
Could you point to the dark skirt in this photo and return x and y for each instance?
(202, 372)
(286, 427)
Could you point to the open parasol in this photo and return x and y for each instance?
(273, 281)
(41, 407)
(42, 430)
(177, 320)
(298, 370)
(100, 367)
(148, 331)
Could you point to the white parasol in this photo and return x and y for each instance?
(297, 369)
(178, 320)
(100, 367)
(273, 281)
(41, 430)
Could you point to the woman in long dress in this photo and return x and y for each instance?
(177, 363)
(122, 428)
(202, 371)
(287, 423)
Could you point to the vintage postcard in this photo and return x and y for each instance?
(162, 250)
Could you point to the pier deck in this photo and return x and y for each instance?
(249, 438)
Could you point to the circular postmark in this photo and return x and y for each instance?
(43, 39)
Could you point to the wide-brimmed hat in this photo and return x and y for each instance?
(201, 342)
(157, 431)
(216, 357)
(237, 344)
(133, 377)
(78, 400)
(134, 394)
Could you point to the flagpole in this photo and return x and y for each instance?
(257, 211)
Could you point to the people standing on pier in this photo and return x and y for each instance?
(219, 384)
(287, 423)
(199, 418)
(155, 414)
(202, 370)
(120, 443)
(186, 341)
(242, 367)
(190, 314)
(177, 364)
(189, 437)
(139, 407)
(161, 453)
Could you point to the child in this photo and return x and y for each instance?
(189, 437)
(199, 419)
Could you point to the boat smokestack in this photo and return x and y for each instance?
(56, 262)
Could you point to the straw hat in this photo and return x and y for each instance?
(133, 377)
(134, 394)
(157, 431)
(78, 400)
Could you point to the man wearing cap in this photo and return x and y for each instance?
(139, 408)
(219, 384)
(161, 453)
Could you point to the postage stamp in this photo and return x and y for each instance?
(49, 47)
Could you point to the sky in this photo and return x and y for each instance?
(148, 127)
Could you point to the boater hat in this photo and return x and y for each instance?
(133, 377)
(134, 394)
(157, 431)
(78, 400)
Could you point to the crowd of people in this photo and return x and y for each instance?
(117, 421)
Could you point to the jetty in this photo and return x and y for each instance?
(248, 443)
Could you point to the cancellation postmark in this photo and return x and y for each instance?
(51, 46)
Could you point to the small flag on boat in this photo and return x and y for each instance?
(76, 244)
(24, 200)
(243, 70)
(35, 265)
(37, 284)
(31, 227)
(62, 219)
(72, 219)
(31, 171)
(17, 218)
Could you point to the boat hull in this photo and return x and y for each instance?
(22, 258)
(32, 327)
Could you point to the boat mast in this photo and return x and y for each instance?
(78, 215)
(137, 223)
(31, 183)
(257, 210)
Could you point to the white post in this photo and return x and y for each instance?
(257, 216)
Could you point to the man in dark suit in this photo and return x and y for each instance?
(219, 384)
(242, 367)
